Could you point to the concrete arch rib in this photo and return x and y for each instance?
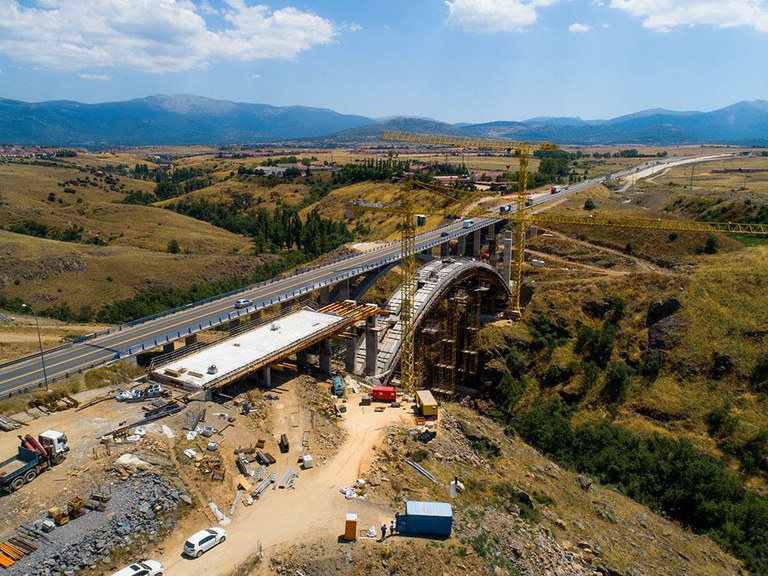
(434, 281)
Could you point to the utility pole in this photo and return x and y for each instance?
(40, 341)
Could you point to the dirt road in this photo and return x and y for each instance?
(315, 508)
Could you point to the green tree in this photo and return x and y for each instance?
(173, 247)
(589, 204)
(616, 382)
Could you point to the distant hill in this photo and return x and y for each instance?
(187, 120)
(155, 120)
(744, 124)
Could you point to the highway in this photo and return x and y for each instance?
(126, 340)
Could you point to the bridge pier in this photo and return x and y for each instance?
(343, 290)
(286, 305)
(234, 323)
(168, 348)
(476, 242)
(301, 359)
(445, 248)
(350, 353)
(325, 357)
(191, 339)
(325, 296)
(461, 248)
(371, 345)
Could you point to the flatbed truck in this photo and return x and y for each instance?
(35, 455)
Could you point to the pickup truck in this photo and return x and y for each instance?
(35, 455)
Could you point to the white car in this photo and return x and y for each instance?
(203, 541)
(143, 568)
(243, 303)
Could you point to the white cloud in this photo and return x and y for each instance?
(152, 35)
(354, 27)
(576, 27)
(255, 76)
(664, 15)
(494, 15)
(94, 76)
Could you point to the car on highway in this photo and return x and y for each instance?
(203, 541)
(243, 303)
(143, 568)
(444, 234)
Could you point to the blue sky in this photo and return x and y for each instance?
(452, 60)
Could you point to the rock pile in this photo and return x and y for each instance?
(135, 511)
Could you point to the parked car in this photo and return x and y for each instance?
(243, 303)
(143, 568)
(203, 541)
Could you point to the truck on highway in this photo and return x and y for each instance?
(555, 189)
(35, 455)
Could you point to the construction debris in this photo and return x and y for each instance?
(421, 470)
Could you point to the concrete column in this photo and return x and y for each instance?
(350, 355)
(285, 306)
(371, 346)
(445, 250)
(168, 348)
(343, 290)
(476, 242)
(267, 374)
(533, 232)
(461, 248)
(257, 315)
(508, 256)
(325, 295)
(325, 357)
(234, 323)
(191, 339)
(301, 359)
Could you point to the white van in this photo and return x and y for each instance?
(468, 223)
(143, 568)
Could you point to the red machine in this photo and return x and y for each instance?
(384, 393)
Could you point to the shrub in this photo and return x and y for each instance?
(759, 376)
(589, 204)
(616, 382)
(720, 421)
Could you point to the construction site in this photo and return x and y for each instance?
(320, 429)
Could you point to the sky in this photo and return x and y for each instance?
(455, 61)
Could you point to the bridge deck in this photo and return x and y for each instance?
(232, 358)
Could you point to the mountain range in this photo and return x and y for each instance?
(188, 120)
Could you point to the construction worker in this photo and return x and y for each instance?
(392, 528)
(383, 531)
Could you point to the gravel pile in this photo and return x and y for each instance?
(136, 508)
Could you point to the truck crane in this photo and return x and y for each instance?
(35, 455)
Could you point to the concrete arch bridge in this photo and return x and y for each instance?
(453, 295)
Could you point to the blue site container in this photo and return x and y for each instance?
(432, 518)
(338, 386)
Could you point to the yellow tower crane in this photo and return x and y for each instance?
(522, 150)
(407, 214)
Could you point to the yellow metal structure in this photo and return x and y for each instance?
(521, 149)
(407, 212)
